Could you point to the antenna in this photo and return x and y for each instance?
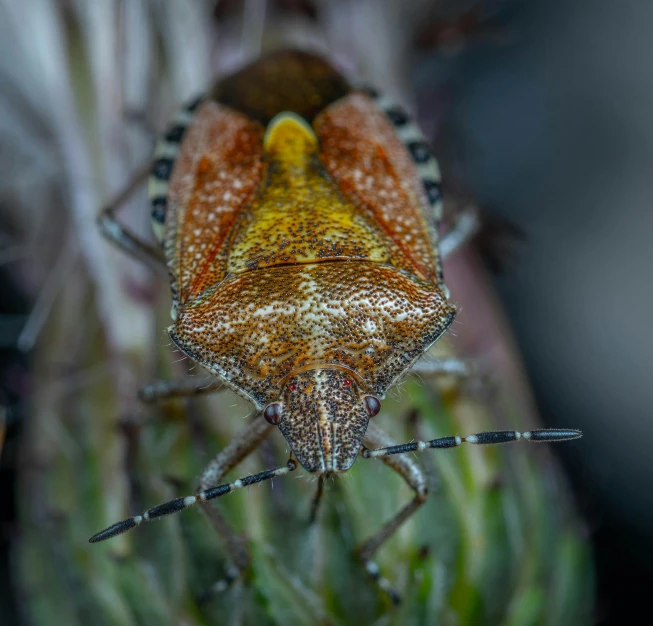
(179, 504)
(542, 435)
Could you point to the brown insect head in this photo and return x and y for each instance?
(323, 414)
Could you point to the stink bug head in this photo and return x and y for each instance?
(324, 419)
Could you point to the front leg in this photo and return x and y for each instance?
(406, 467)
(237, 450)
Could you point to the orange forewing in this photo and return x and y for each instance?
(361, 150)
(218, 170)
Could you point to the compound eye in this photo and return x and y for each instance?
(372, 405)
(272, 413)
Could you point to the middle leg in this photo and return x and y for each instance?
(446, 366)
(177, 388)
(465, 227)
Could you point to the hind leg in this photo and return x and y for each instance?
(121, 236)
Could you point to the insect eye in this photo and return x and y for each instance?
(347, 382)
(372, 405)
(272, 413)
(292, 387)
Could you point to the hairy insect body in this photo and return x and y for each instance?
(302, 255)
(298, 219)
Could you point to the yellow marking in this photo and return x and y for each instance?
(301, 215)
(289, 139)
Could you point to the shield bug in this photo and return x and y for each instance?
(298, 218)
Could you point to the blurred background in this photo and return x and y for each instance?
(540, 113)
(552, 131)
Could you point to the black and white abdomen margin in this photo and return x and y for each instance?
(427, 166)
(165, 154)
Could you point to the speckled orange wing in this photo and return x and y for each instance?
(362, 151)
(217, 171)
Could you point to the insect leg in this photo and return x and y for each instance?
(236, 451)
(416, 479)
(466, 226)
(447, 366)
(120, 236)
(179, 504)
(177, 388)
(549, 435)
(317, 498)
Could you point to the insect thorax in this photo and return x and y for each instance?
(300, 230)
